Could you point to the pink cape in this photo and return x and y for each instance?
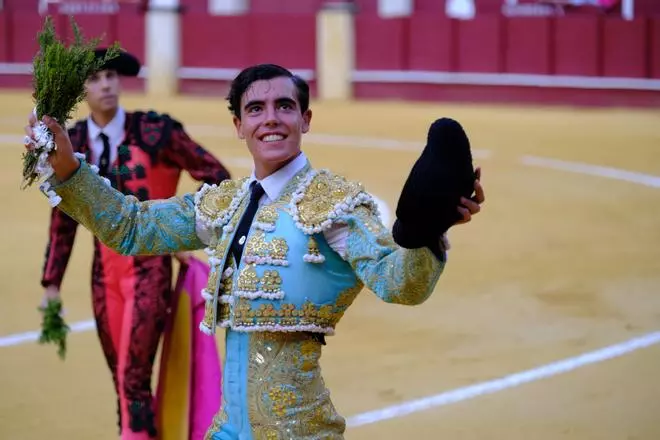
(189, 381)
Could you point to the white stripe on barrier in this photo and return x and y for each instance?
(415, 77)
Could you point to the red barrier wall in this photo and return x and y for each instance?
(234, 43)
(4, 42)
(654, 48)
(528, 46)
(381, 44)
(285, 6)
(579, 45)
(431, 45)
(576, 46)
(479, 44)
(583, 45)
(625, 48)
(230, 42)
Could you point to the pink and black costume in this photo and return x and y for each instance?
(131, 295)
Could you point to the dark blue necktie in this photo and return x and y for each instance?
(104, 162)
(243, 228)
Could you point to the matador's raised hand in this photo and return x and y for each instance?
(471, 206)
(62, 159)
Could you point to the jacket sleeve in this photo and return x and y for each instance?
(195, 159)
(61, 236)
(394, 274)
(130, 227)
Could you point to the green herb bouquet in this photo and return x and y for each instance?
(59, 75)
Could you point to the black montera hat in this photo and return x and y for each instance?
(429, 199)
(125, 64)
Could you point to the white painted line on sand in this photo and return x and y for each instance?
(511, 381)
(33, 336)
(593, 170)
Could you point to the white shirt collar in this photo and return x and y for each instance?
(274, 184)
(114, 130)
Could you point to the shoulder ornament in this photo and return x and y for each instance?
(216, 204)
(322, 197)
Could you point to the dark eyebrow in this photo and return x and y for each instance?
(277, 101)
(253, 103)
(285, 101)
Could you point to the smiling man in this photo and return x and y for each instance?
(290, 248)
(142, 154)
(271, 116)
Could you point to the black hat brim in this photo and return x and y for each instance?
(125, 64)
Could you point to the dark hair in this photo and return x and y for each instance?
(264, 72)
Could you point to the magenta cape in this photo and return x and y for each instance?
(189, 381)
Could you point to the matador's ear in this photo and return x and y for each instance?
(443, 173)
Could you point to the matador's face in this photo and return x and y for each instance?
(272, 123)
(102, 89)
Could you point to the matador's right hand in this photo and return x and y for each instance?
(51, 292)
(62, 159)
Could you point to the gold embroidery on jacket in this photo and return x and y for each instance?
(216, 205)
(259, 251)
(287, 395)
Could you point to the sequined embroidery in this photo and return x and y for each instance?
(218, 310)
(207, 292)
(259, 251)
(278, 251)
(266, 218)
(256, 246)
(313, 254)
(208, 315)
(323, 197)
(271, 282)
(250, 285)
(287, 397)
(248, 316)
(401, 276)
(215, 205)
(248, 280)
(227, 280)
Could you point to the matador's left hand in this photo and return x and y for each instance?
(472, 206)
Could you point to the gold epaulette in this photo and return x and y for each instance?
(216, 204)
(323, 197)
